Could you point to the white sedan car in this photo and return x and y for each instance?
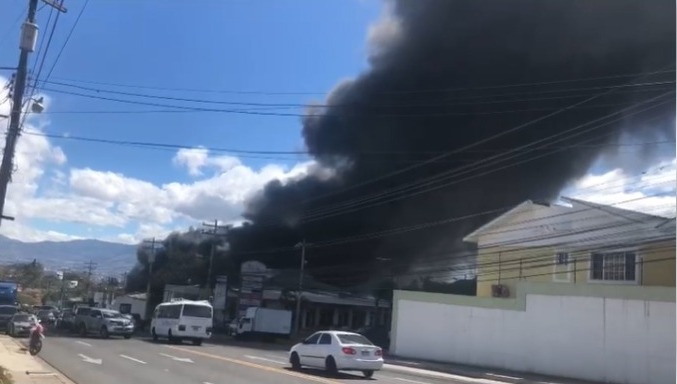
(337, 351)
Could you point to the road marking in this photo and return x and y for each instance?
(83, 343)
(182, 359)
(504, 376)
(133, 359)
(411, 381)
(88, 359)
(440, 375)
(264, 359)
(256, 366)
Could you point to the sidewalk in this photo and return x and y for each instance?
(473, 373)
(24, 368)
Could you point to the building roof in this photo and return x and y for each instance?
(573, 222)
(137, 296)
(328, 298)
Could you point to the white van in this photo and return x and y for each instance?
(183, 319)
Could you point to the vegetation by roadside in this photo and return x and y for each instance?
(5, 377)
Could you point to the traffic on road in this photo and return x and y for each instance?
(141, 360)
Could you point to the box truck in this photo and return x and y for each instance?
(264, 323)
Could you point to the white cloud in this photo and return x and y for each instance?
(196, 159)
(44, 188)
(653, 191)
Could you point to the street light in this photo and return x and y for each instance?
(37, 106)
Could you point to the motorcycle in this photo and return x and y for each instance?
(35, 340)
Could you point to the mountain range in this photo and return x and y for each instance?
(110, 259)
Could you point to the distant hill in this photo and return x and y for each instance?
(110, 258)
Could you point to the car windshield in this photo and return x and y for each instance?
(7, 310)
(191, 310)
(44, 312)
(21, 317)
(353, 339)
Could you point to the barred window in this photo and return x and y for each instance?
(613, 266)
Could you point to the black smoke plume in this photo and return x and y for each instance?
(443, 75)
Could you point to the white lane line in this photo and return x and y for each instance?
(504, 376)
(83, 343)
(133, 359)
(440, 375)
(88, 359)
(411, 381)
(206, 382)
(182, 359)
(264, 359)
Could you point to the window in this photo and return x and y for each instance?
(21, 317)
(171, 311)
(613, 266)
(197, 311)
(312, 339)
(95, 313)
(111, 314)
(562, 258)
(349, 338)
(125, 308)
(325, 339)
(83, 311)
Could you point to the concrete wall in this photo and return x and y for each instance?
(606, 333)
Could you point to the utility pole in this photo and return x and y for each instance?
(213, 229)
(29, 36)
(151, 261)
(299, 292)
(90, 269)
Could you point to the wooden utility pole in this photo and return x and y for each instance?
(151, 261)
(29, 36)
(91, 266)
(213, 229)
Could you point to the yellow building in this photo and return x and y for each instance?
(573, 242)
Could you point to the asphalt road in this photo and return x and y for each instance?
(139, 361)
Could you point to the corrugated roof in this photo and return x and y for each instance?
(578, 223)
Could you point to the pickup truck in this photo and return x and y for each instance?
(104, 322)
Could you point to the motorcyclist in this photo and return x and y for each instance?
(37, 332)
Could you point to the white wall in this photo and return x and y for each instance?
(590, 338)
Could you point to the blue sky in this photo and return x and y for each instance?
(291, 52)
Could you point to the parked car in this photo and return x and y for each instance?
(46, 316)
(337, 351)
(104, 322)
(6, 313)
(21, 324)
(66, 319)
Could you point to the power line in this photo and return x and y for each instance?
(472, 99)
(474, 144)
(404, 229)
(68, 37)
(417, 187)
(240, 92)
(259, 112)
(173, 147)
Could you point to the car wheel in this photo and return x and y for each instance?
(197, 342)
(368, 374)
(152, 332)
(128, 337)
(330, 365)
(295, 361)
(103, 332)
